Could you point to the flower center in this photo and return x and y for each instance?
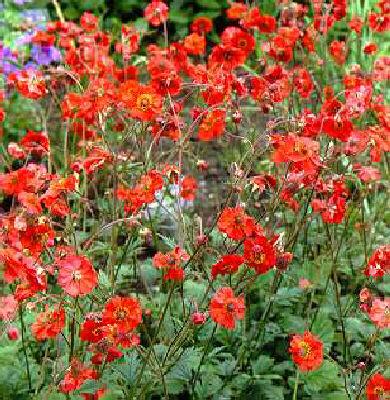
(305, 349)
(77, 275)
(120, 314)
(230, 307)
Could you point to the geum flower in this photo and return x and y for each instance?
(212, 125)
(123, 312)
(76, 375)
(236, 223)
(171, 263)
(379, 263)
(141, 101)
(48, 324)
(227, 264)
(306, 351)
(378, 387)
(379, 313)
(259, 254)
(76, 275)
(225, 308)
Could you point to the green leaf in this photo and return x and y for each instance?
(262, 365)
(326, 379)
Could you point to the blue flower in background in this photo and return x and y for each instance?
(45, 55)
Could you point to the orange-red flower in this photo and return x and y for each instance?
(306, 351)
(93, 330)
(259, 254)
(226, 57)
(202, 25)
(156, 12)
(188, 188)
(378, 387)
(227, 264)
(225, 308)
(123, 312)
(338, 51)
(76, 375)
(29, 83)
(142, 101)
(171, 263)
(212, 125)
(76, 275)
(379, 263)
(195, 44)
(236, 223)
(48, 324)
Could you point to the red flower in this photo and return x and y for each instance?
(35, 143)
(212, 125)
(29, 83)
(202, 25)
(236, 223)
(238, 38)
(76, 375)
(171, 263)
(306, 351)
(378, 387)
(302, 151)
(142, 101)
(281, 49)
(228, 264)
(48, 324)
(379, 22)
(338, 51)
(259, 254)
(226, 57)
(92, 330)
(124, 312)
(30, 202)
(76, 275)
(370, 48)
(236, 10)
(188, 188)
(303, 82)
(156, 12)
(356, 24)
(89, 22)
(379, 263)
(195, 44)
(225, 308)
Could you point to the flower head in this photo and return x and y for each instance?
(123, 312)
(76, 275)
(306, 351)
(226, 308)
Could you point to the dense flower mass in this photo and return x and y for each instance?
(182, 194)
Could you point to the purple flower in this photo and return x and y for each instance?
(21, 2)
(44, 55)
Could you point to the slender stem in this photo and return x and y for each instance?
(206, 350)
(160, 322)
(73, 330)
(24, 348)
(295, 394)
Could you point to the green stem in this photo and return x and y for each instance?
(24, 348)
(73, 330)
(295, 394)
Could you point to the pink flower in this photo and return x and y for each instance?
(380, 313)
(8, 308)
